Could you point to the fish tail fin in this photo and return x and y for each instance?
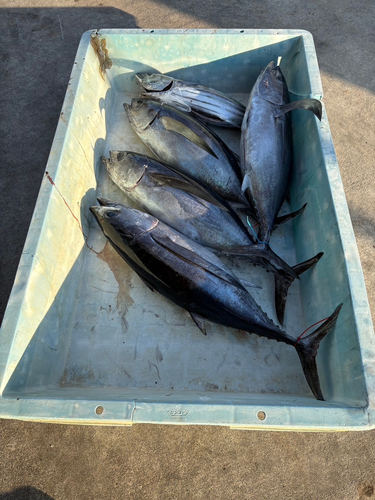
(283, 282)
(262, 254)
(307, 350)
(288, 217)
(275, 260)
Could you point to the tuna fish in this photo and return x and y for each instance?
(189, 146)
(267, 146)
(206, 104)
(195, 279)
(190, 209)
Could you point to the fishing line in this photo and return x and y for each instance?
(255, 234)
(307, 329)
(71, 211)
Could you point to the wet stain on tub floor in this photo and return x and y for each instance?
(123, 275)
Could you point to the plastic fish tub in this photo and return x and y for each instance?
(84, 341)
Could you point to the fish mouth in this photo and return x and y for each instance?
(95, 212)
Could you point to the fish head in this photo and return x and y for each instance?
(154, 82)
(125, 168)
(272, 85)
(126, 222)
(142, 112)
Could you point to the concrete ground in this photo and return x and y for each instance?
(42, 461)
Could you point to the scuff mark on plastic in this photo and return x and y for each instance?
(100, 49)
(158, 355)
(156, 368)
(126, 373)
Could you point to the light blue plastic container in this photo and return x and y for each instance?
(84, 341)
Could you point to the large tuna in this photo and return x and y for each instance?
(189, 146)
(267, 146)
(195, 279)
(190, 209)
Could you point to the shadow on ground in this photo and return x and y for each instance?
(25, 493)
(348, 31)
(37, 54)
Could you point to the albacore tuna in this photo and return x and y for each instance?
(189, 146)
(190, 209)
(195, 279)
(267, 146)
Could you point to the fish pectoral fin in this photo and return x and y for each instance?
(246, 183)
(200, 322)
(173, 125)
(288, 217)
(192, 258)
(182, 106)
(187, 186)
(249, 284)
(140, 269)
(310, 104)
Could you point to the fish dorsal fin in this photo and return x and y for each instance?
(173, 125)
(187, 186)
(192, 258)
(159, 96)
(310, 104)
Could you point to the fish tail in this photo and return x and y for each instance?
(270, 256)
(288, 217)
(283, 282)
(262, 254)
(307, 349)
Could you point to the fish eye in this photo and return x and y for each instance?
(111, 214)
(120, 156)
(276, 71)
(137, 104)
